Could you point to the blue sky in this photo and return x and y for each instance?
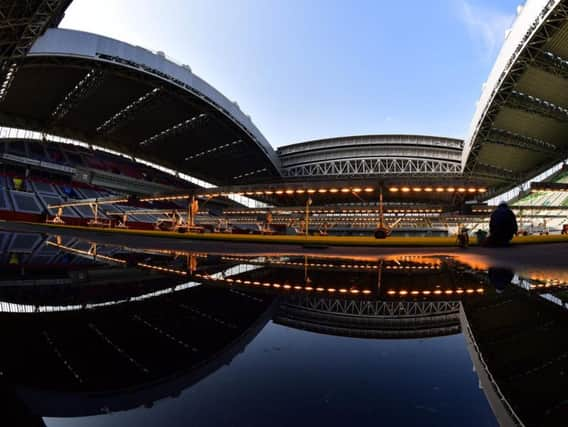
(309, 69)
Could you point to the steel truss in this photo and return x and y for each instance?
(354, 307)
(528, 52)
(21, 23)
(504, 137)
(534, 105)
(374, 166)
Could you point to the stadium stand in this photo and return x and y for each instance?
(34, 175)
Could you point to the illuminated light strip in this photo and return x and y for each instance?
(85, 253)
(285, 286)
(403, 292)
(428, 266)
(301, 264)
(64, 107)
(8, 80)
(166, 198)
(88, 202)
(164, 333)
(164, 269)
(174, 129)
(407, 189)
(107, 125)
(255, 172)
(8, 307)
(291, 191)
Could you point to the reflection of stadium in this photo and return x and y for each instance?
(127, 308)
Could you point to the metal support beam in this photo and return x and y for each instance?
(534, 105)
(551, 63)
(511, 139)
(484, 170)
(375, 166)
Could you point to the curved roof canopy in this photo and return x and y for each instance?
(106, 92)
(521, 122)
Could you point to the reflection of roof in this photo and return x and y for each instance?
(120, 357)
(370, 319)
(153, 108)
(519, 340)
(520, 124)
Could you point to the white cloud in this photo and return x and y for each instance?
(486, 27)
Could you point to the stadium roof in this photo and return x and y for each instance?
(106, 92)
(521, 122)
(129, 99)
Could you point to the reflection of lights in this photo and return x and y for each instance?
(164, 269)
(286, 286)
(404, 292)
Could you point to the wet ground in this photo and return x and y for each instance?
(100, 332)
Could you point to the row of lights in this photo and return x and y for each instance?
(468, 291)
(547, 285)
(165, 198)
(164, 269)
(438, 189)
(342, 266)
(290, 192)
(322, 265)
(86, 253)
(331, 211)
(286, 287)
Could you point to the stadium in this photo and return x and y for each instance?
(120, 136)
(150, 233)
